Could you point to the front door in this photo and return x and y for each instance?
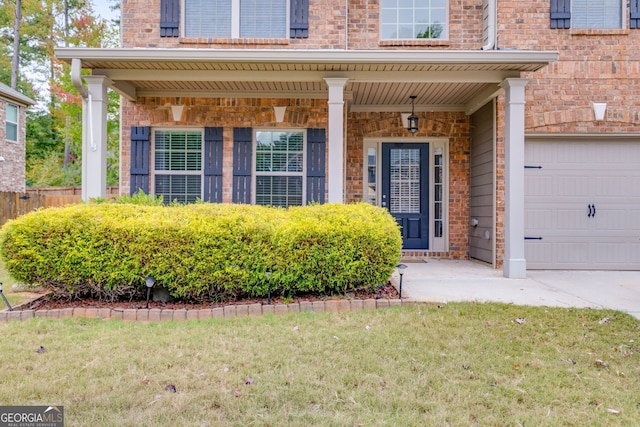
(405, 190)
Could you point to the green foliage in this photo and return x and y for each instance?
(139, 198)
(50, 171)
(433, 31)
(201, 251)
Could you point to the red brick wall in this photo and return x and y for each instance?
(225, 112)
(327, 22)
(593, 66)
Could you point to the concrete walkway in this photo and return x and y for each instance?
(449, 281)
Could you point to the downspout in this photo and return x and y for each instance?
(76, 67)
(490, 10)
(76, 79)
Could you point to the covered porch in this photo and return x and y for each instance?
(365, 94)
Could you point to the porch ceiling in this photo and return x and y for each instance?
(377, 80)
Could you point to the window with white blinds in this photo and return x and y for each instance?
(594, 14)
(414, 19)
(236, 18)
(279, 168)
(263, 18)
(404, 177)
(11, 119)
(178, 165)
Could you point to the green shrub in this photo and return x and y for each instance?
(201, 251)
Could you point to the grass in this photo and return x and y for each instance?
(7, 281)
(458, 364)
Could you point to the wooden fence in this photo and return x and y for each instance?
(12, 205)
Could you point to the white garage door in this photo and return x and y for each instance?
(582, 204)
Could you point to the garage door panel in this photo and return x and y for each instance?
(538, 185)
(634, 191)
(583, 203)
(611, 186)
(571, 219)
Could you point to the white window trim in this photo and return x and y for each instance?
(17, 122)
(235, 18)
(254, 156)
(436, 244)
(152, 158)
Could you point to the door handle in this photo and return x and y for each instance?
(589, 214)
(592, 211)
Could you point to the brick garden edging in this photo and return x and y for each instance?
(229, 311)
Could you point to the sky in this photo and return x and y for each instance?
(102, 8)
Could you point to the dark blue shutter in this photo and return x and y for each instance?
(242, 157)
(316, 149)
(139, 170)
(213, 165)
(560, 14)
(170, 18)
(634, 14)
(299, 19)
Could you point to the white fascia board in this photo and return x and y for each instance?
(311, 56)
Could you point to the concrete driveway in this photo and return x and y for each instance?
(448, 281)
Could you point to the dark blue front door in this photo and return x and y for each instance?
(405, 190)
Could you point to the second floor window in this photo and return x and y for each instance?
(12, 123)
(414, 19)
(595, 14)
(236, 18)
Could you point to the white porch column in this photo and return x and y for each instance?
(94, 138)
(515, 265)
(336, 139)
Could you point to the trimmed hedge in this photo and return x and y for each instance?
(204, 252)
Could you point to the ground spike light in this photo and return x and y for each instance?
(6, 301)
(149, 281)
(401, 268)
(267, 274)
(412, 120)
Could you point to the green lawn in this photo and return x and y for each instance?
(7, 281)
(449, 365)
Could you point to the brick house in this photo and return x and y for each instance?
(13, 127)
(432, 110)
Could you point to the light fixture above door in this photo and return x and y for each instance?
(412, 120)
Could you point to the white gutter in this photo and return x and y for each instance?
(489, 13)
(168, 55)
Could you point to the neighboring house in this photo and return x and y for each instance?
(13, 127)
(292, 101)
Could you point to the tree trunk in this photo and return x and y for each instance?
(15, 61)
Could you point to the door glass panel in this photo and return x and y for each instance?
(404, 194)
(438, 183)
(372, 190)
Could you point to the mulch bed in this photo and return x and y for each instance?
(47, 302)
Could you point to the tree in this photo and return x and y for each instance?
(43, 25)
(15, 63)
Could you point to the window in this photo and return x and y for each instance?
(12, 123)
(595, 14)
(178, 165)
(279, 168)
(414, 19)
(236, 18)
(438, 190)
